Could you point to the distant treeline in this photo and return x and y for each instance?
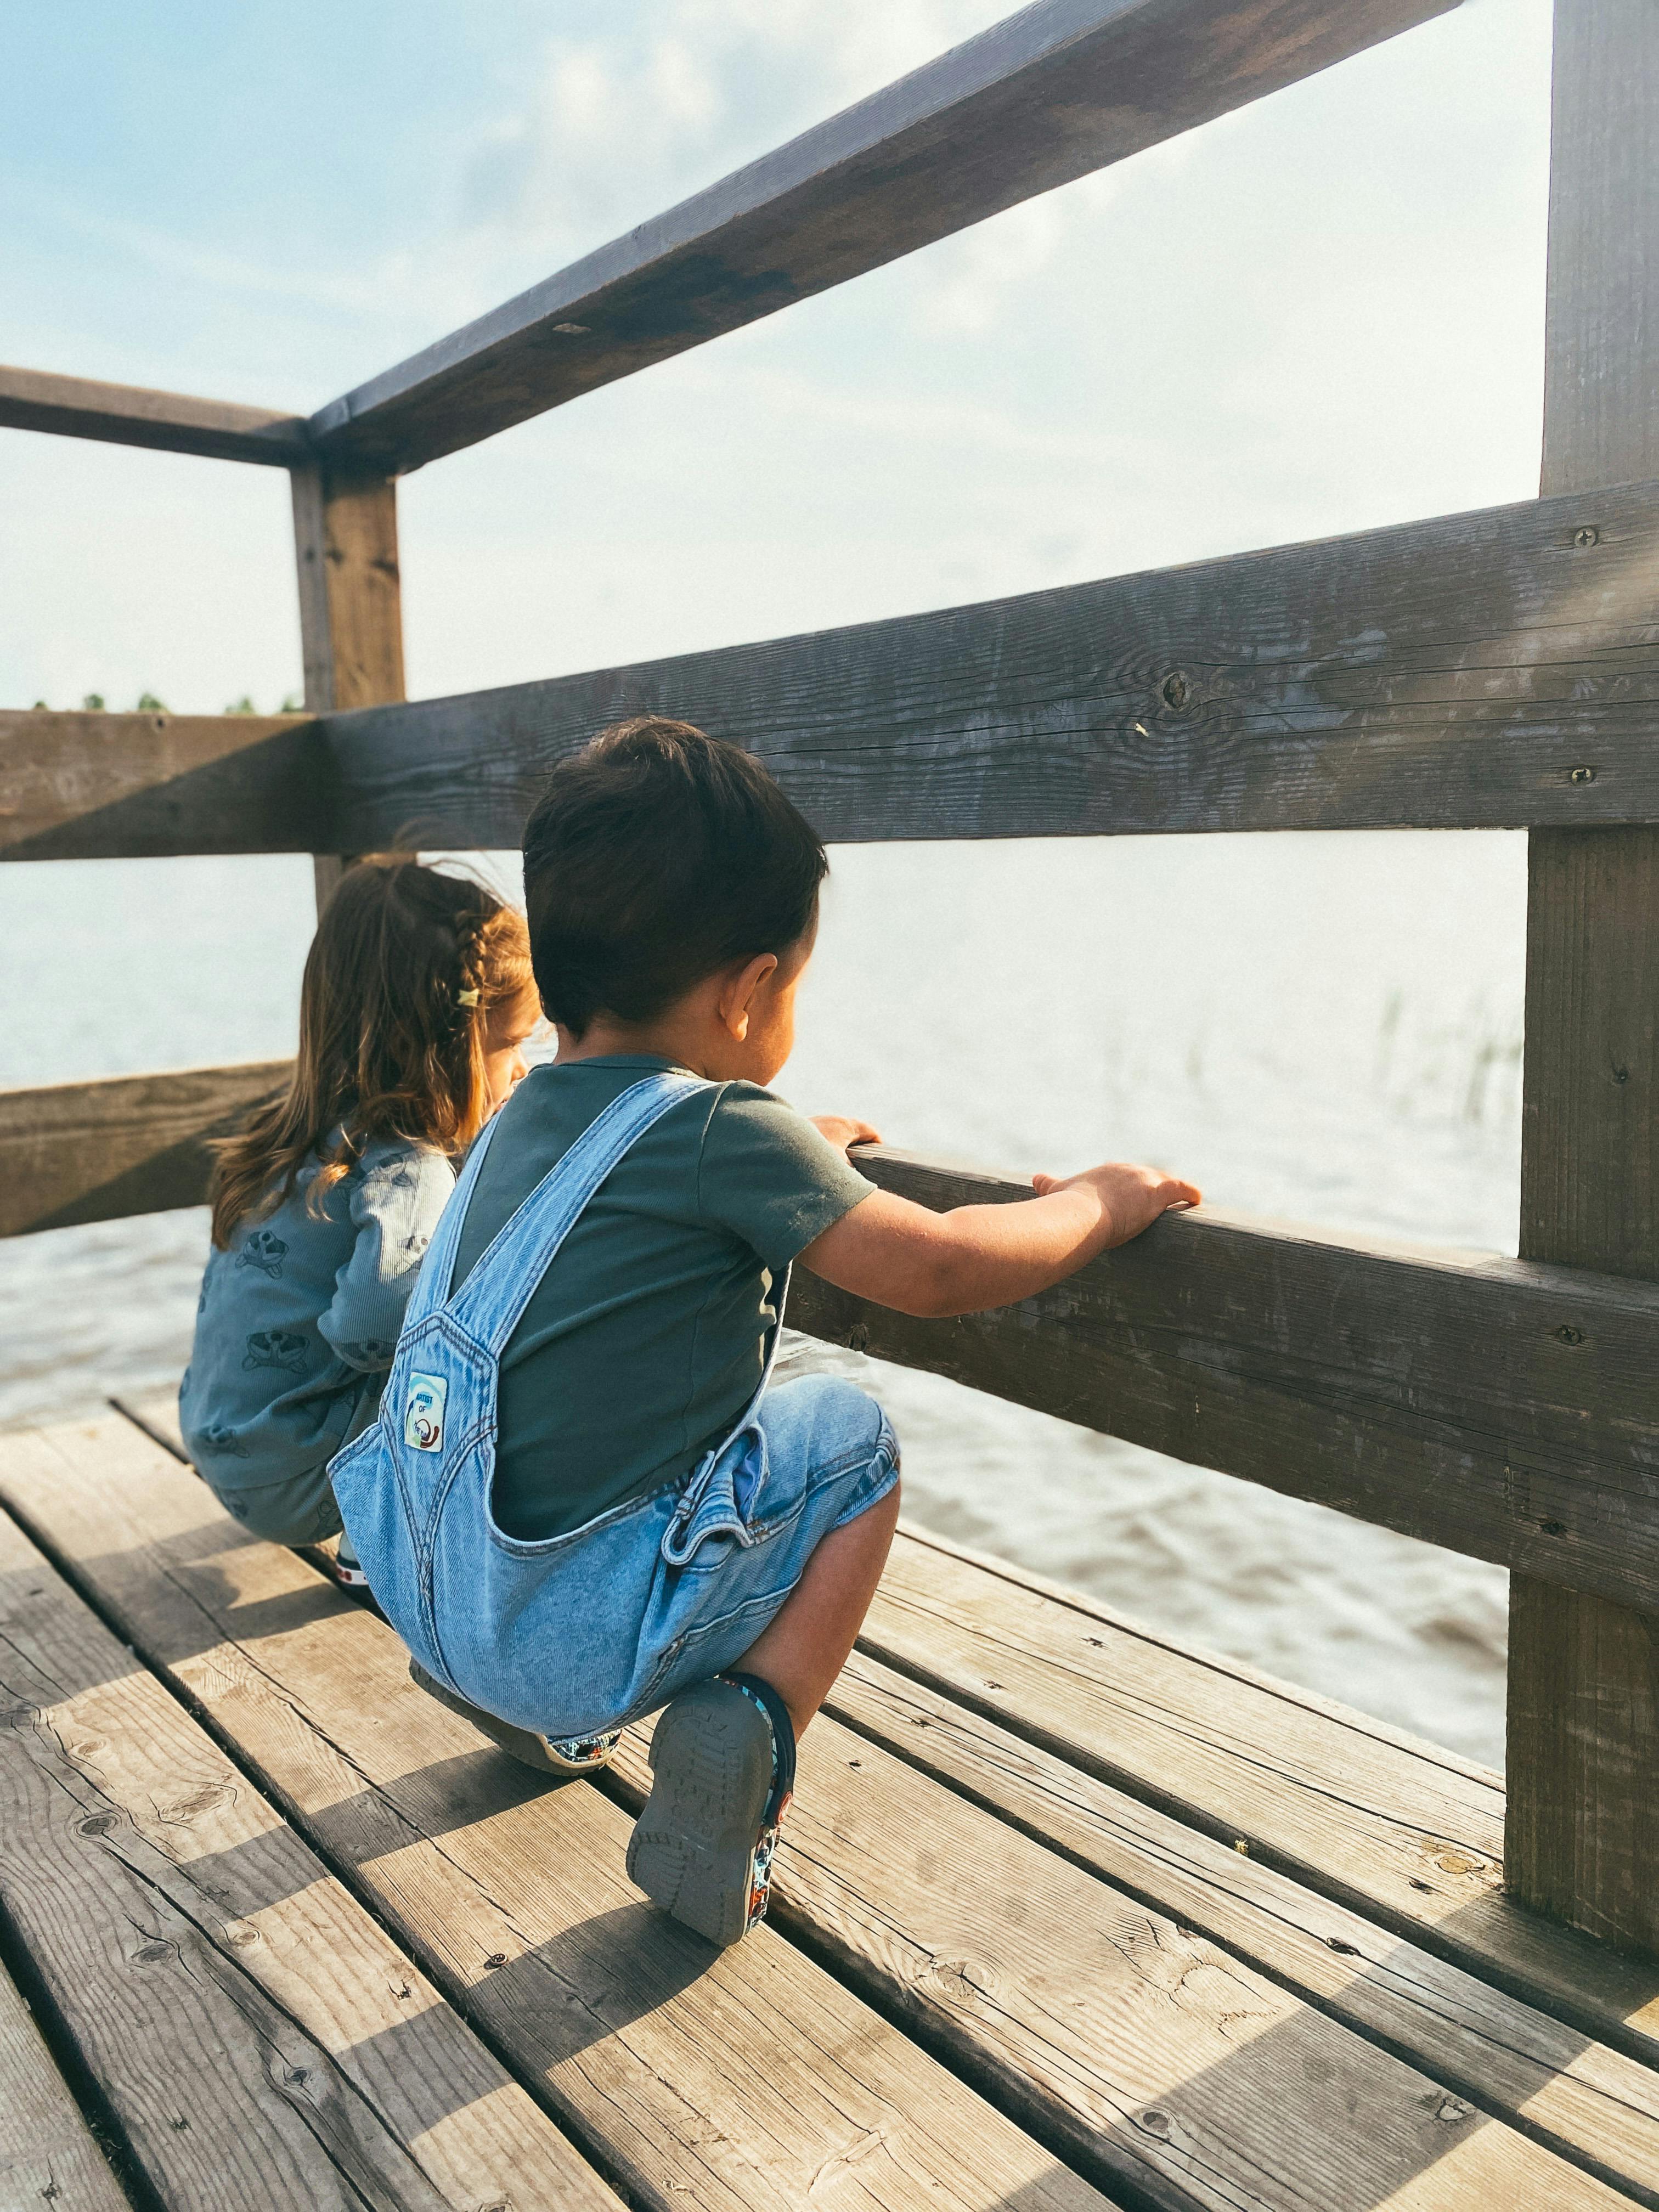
(147, 703)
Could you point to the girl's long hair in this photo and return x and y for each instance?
(391, 1038)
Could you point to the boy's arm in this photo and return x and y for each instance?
(904, 1255)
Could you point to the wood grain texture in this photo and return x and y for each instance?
(351, 622)
(1479, 671)
(1156, 2060)
(1056, 91)
(47, 2152)
(1399, 1831)
(1499, 1407)
(126, 1144)
(127, 415)
(1592, 2104)
(1583, 1716)
(745, 2079)
(76, 787)
(260, 2040)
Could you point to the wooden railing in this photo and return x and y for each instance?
(1500, 669)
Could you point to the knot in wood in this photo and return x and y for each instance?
(98, 1823)
(151, 1955)
(1156, 2122)
(1176, 690)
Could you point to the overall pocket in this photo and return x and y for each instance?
(718, 1510)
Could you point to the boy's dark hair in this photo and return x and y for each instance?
(654, 857)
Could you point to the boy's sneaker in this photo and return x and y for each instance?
(581, 1754)
(723, 1767)
(345, 1566)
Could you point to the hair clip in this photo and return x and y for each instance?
(467, 998)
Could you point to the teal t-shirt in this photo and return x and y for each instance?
(644, 1340)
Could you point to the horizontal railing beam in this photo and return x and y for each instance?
(1493, 669)
(1497, 670)
(128, 1144)
(1498, 1407)
(1053, 93)
(168, 422)
(126, 787)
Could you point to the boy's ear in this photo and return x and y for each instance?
(737, 1001)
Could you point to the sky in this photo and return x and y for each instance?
(1319, 314)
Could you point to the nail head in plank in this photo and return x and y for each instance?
(1496, 1406)
(1410, 1837)
(1583, 1706)
(1594, 2105)
(1457, 673)
(749, 2077)
(259, 2039)
(1151, 2058)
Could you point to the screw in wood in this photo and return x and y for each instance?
(1587, 535)
(1569, 1334)
(1584, 776)
(1176, 690)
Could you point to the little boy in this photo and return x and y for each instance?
(583, 1502)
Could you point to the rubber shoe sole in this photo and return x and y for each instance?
(522, 1744)
(692, 1851)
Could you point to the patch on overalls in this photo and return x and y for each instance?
(424, 1413)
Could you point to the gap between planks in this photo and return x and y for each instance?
(1131, 2047)
(748, 2078)
(254, 2035)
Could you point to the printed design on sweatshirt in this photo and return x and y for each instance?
(372, 1351)
(223, 1442)
(416, 1244)
(264, 1250)
(276, 1347)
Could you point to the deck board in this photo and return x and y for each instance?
(1594, 2105)
(257, 2037)
(1402, 1834)
(750, 2078)
(46, 2150)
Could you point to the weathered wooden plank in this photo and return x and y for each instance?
(351, 623)
(1496, 1406)
(1155, 2060)
(746, 2079)
(1399, 1831)
(128, 415)
(46, 2150)
(1593, 2104)
(1583, 1718)
(126, 1144)
(1479, 671)
(76, 787)
(1054, 92)
(258, 2038)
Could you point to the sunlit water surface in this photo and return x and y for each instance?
(1325, 1029)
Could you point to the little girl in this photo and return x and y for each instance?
(417, 996)
(581, 1501)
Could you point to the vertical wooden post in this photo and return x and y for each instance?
(351, 627)
(1584, 1704)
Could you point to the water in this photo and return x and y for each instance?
(1326, 1028)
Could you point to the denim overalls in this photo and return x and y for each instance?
(572, 1634)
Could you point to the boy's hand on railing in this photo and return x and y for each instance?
(1130, 1198)
(842, 1131)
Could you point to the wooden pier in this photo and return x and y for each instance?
(1065, 1915)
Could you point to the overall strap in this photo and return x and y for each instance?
(432, 1284)
(490, 1302)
